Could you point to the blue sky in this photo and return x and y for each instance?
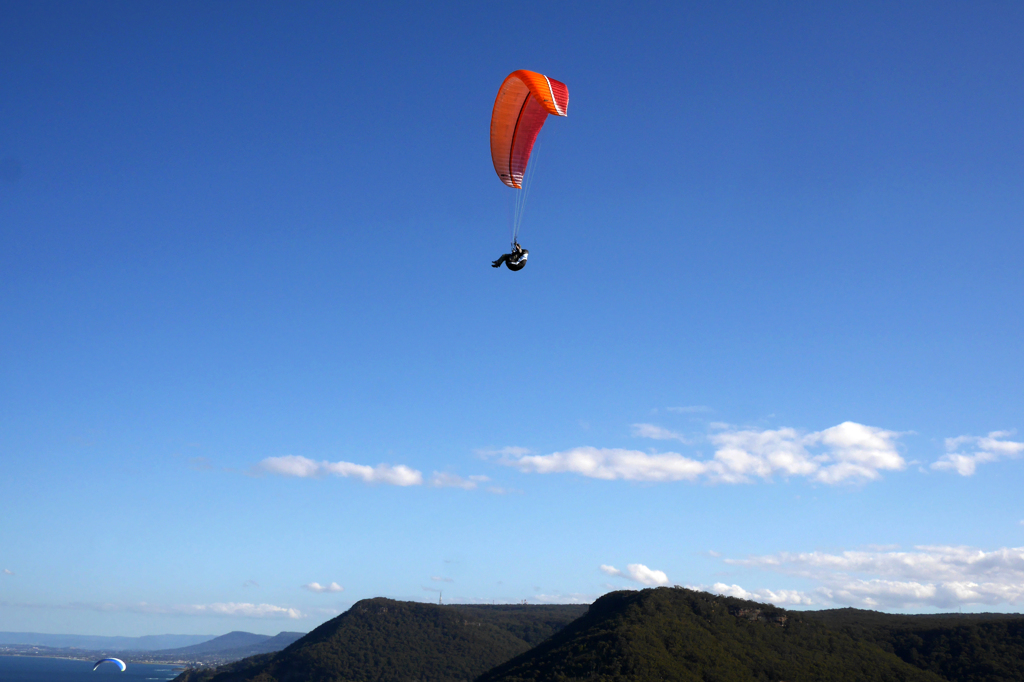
(254, 364)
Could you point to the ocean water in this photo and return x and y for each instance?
(38, 669)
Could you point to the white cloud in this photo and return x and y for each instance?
(294, 465)
(929, 576)
(742, 454)
(902, 594)
(638, 573)
(980, 450)
(318, 588)
(611, 464)
(657, 433)
(8, 571)
(242, 610)
(857, 451)
(445, 480)
(508, 451)
(572, 598)
(777, 597)
(689, 409)
(848, 452)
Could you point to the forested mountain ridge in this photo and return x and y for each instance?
(671, 634)
(976, 647)
(383, 640)
(677, 634)
(99, 642)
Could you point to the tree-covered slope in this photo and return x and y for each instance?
(381, 640)
(983, 647)
(530, 623)
(681, 635)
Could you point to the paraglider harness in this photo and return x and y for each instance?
(513, 261)
(519, 256)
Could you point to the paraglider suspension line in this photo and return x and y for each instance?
(517, 203)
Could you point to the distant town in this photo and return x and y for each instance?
(205, 653)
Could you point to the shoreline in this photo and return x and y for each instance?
(178, 665)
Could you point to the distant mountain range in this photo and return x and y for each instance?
(663, 634)
(207, 648)
(233, 645)
(146, 643)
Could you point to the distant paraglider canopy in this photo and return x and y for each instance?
(116, 661)
(523, 103)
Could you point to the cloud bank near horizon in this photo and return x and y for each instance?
(938, 576)
(777, 597)
(228, 609)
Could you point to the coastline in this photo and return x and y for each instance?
(176, 665)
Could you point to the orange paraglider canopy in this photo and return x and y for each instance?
(523, 103)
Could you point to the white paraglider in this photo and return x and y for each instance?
(116, 661)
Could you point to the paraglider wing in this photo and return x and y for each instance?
(523, 103)
(120, 664)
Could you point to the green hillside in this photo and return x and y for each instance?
(382, 640)
(681, 635)
(983, 647)
(670, 634)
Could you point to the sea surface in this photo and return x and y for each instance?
(39, 669)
